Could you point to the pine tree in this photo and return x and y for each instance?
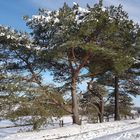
(93, 39)
(94, 98)
(21, 88)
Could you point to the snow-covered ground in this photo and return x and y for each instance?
(120, 130)
(132, 134)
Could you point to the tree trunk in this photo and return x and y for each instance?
(116, 92)
(100, 118)
(101, 114)
(75, 105)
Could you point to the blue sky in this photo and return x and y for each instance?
(12, 11)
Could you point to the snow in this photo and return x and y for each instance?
(8, 36)
(132, 135)
(5, 123)
(47, 17)
(28, 47)
(74, 3)
(9, 33)
(2, 34)
(103, 9)
(137, 61)
(119, 130)
(134, 112)
(42, 19)
(56, 20)
(82, 10)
